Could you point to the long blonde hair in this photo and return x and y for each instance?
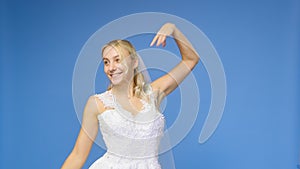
(138, 79)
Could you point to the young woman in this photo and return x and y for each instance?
(127, 113)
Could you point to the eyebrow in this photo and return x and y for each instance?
(113, 57)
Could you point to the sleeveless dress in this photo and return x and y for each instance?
(132, 141)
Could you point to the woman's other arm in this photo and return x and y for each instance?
(167, 83)
(86, 137)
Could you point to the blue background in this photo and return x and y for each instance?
(258, 43)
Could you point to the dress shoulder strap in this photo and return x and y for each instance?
(107, 99)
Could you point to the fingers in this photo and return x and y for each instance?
(154, 39)
(159, 39)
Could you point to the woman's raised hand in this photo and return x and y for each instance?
(161, 36)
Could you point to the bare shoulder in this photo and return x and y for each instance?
(94, 105)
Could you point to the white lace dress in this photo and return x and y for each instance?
(132, 141)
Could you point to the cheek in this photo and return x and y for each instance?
(122, 66)
(105, 69)
(125, 68)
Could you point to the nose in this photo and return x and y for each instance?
(112, 67)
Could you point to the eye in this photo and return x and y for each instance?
(118, 60)
(105, 62)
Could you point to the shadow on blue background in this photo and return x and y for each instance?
(258, 42)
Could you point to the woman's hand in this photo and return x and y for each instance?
(161, 36)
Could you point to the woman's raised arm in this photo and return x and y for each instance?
(86, 137)
(167, 83)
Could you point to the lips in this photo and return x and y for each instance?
(115, 74)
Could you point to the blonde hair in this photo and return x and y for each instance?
(138, 79)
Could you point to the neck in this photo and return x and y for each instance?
(123, 90)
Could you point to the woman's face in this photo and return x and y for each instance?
(118, 69)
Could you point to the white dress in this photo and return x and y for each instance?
(132, 141)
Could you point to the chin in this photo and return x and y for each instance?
(116, 81)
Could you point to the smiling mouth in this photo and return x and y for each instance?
(115, 74)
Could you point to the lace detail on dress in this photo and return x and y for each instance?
(106, 99)
(132, 140)
(110, 161)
